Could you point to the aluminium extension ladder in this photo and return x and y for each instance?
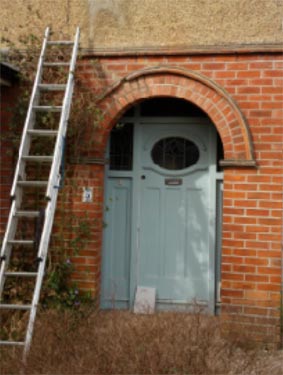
(52, 162)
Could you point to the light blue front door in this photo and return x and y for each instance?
(160, 216)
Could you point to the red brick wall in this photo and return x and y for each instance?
(78, 226)
(252, 205)
(251, 249)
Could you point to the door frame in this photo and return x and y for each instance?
(214, 177)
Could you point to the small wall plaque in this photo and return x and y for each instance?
(173, 181)
(87, 194)
(145, 300)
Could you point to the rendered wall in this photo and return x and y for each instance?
(148, 23)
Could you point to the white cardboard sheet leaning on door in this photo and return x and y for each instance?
(145, 300)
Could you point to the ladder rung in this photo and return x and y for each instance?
(32, 183)
(60, 42)
(27, 213)
(38, 158)
(56, 63)
(52, 87)
(21, 274)
(21, 242)
(14, 307)
(43, 133)
(47, 108)
(20, 343)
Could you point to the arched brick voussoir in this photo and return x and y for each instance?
(213, 99)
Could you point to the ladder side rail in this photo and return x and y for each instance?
(9, 225)
(33, 311)
(6, 248)
(9, 235)
(48, 223)
(30, 111)
(59, 149)
(44, 243)
(63, 120)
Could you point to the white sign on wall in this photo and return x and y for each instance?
(87, 194)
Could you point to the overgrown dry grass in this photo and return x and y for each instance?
(117, 342)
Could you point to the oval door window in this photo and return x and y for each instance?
(175, 153)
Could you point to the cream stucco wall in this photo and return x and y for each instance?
(109, 24)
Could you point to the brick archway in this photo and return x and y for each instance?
(193, 87)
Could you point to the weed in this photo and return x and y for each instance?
(88, 341)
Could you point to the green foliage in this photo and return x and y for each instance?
(81, 231)
(59, 292)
